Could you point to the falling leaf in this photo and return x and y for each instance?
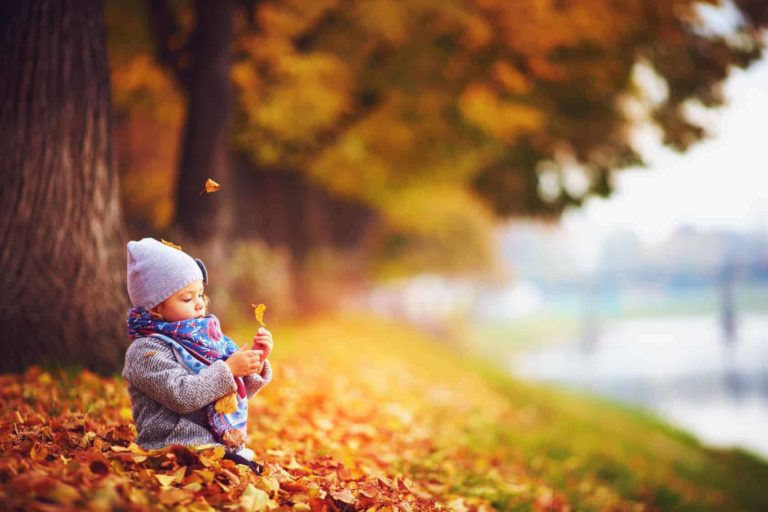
(171, 244)
(210, 187)
(150, 353)
(258, 310)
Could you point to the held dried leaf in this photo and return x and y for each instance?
(226, 404)
(210, 187)
(258, 310)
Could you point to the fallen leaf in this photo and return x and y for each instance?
(179, 474)
(165, 480)
(193, 486)
(174, 495)
(345, 496)
(254, 499)
(62, 493)
(457, 505)
(206, 475)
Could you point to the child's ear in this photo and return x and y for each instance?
(155, 314)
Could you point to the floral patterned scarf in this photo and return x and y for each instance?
(197, 343)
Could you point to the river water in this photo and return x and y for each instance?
(681, 368)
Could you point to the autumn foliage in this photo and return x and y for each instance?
(441, 117)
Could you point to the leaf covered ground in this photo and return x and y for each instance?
(364, 415)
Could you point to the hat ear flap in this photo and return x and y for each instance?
(202, 269)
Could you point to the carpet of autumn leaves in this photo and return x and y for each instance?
(361, 415)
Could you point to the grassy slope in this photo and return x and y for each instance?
(462, 428)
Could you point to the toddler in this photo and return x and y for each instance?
(189, 384)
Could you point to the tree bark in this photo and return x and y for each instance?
(63, 298)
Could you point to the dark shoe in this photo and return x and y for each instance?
(237, 459)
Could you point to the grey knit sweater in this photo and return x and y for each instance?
(168, 401)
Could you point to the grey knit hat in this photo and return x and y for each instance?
(156, 271)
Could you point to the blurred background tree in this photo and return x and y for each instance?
(381, 138)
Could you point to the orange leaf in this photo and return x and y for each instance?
(345, 496)
(210, 187)
(226, 404)
(165, 480)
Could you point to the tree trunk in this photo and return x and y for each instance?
(206, 139)
(202, 222)
(63, 298)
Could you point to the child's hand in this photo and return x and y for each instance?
(245, 362)
(263, 342)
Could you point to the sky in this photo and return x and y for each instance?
(722, 182)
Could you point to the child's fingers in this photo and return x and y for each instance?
(262, 342)
(264, 347)
(254, 361)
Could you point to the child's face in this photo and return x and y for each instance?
(185, 304)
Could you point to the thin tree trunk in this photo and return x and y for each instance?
(206, 140)
(63, 298)
(202, 222)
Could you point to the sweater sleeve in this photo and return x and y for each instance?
(151, 366)
(255, 382)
